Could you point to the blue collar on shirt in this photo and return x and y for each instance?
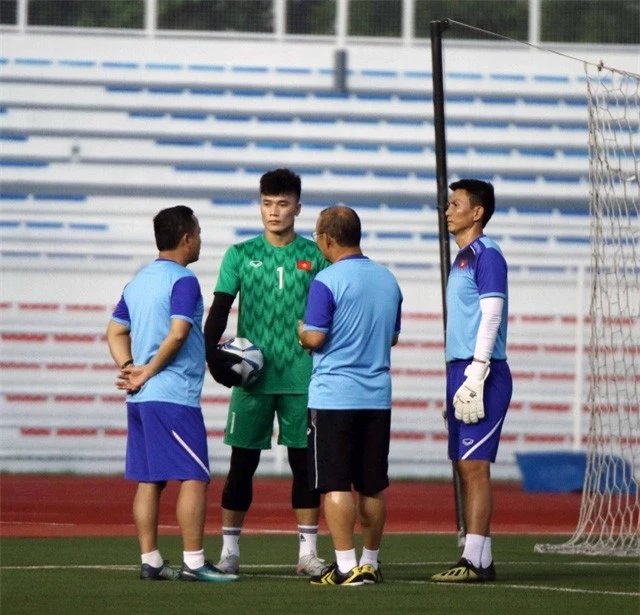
(353, 256)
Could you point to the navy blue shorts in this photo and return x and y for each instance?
(166, 441)
(479, 440)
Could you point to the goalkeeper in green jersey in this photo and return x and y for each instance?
(272, 274)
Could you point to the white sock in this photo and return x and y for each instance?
(230, 541)
(193, 559)
(487, 556)
(153, 558)
(369, 557)
(473, 548)
(346, 560)
(308, 540)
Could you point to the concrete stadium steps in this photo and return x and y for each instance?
(58, 382)
(92, 428)
(280, 105)
(76, 370)
(58, 394)
(51, 232)
(114, 126)
(93, 225)
(232, 130)
(339, 176)
(547, 164)
(97, 138)
(189, 181)
(248, 66)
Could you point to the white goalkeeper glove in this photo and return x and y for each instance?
(469, 398)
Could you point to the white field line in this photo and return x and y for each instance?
(484, 586)
(566, 590)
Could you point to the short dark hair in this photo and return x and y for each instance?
(281, 181)
(171, 224)
(342, 224)
(480, 193)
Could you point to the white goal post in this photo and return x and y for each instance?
(609, 522)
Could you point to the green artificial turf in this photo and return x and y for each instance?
(100, 576)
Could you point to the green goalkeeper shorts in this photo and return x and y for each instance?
(250, 421)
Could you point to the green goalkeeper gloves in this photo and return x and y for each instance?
(469, 398)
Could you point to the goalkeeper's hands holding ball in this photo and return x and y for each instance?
(220, 363)
(469, 398)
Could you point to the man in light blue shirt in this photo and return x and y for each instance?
(155, 337)
(351, 322)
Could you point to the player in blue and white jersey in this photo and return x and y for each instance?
(351, 322)
(479, 384)
(155, 337)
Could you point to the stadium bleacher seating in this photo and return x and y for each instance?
(60, 404)
(78, 126)
(91, 149)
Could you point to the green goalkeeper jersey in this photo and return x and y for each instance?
(273, 283)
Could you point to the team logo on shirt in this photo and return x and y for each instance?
(304, 265)
(462, 264)
(255, 264)
(467, 441)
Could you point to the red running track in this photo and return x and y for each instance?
(45, 506)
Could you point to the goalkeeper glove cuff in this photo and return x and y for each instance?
(477, 370)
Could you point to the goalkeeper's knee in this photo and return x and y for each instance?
(301, 495)
(238, 488)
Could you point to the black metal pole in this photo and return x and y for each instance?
(437, 28)
(340, 71)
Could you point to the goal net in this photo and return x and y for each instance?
(609, 522)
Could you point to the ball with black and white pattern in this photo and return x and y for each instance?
(252, 360)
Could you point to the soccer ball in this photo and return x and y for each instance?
(251, 365)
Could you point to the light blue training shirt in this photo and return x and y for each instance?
(161, 291)
(479, 271)
(357, 303)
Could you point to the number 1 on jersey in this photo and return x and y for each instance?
(280, 271)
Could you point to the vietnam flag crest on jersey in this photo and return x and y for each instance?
(304, 265)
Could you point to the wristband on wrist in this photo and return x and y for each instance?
(126, 364)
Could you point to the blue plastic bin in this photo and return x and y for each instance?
(565, 472)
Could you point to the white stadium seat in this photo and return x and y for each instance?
(92, 147)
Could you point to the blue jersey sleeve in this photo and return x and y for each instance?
(185, 296)
(491, 274)
(320, 307)
(121, 313)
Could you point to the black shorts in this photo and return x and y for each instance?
(349, 447)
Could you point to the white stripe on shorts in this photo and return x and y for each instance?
(481, 442)
(193, 455)
(315, 448)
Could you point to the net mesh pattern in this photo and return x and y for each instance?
(609, 522)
